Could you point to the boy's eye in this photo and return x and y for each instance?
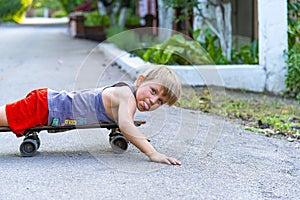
(153, 91)
(160, 102)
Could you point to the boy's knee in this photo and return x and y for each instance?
(3, 118)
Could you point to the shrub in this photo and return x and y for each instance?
(95, 19)
(247, 54)
(293, 72)
(39, 12)
(132, 19)
(13, 10)
(59, 14)
(177, 51)
(210, 45)
(126, 40)
(293, 63)
(69, 5)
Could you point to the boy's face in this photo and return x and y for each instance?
(149, 96)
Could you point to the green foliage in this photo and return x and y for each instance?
(282, 123)
(186, 8)
(126, 40)
(260, 113)
(39, 12)
(214, 50)
(132, 20)
(294, 23)
(59, 14)
(95, 19)
(247, 54)
(51, 4)
(111, 31)
(69, 5)
(13, 10)
(177, 51)
(293, 63)
(292, 80)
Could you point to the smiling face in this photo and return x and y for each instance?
(149, 95)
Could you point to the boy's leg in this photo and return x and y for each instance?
(3, 118)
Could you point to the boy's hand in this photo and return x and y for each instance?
(161, 158)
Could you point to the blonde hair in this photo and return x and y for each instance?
(168, 81)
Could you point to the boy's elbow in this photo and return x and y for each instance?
(126, 126)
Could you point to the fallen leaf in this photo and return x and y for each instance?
(205, 91)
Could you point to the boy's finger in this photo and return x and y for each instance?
(176, 162)
(173, 161)
(168, 161)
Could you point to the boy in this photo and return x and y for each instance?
(117, 103)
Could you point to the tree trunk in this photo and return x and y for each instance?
(223, 19)
(216, 15)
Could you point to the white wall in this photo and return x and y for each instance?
(272, 18)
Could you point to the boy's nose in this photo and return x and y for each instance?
(153, 100)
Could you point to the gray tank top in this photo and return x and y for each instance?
(78, 107)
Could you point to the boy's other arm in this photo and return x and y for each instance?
(126, 110)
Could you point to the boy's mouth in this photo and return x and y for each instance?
(146, 107)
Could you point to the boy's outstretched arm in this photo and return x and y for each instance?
(158, 157)
(133, 134)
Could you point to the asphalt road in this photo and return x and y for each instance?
(220, 160)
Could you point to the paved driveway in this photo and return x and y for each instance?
(220, 159)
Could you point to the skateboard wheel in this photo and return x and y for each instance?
(28, 147)
(118, 142)
(34, 136)
(38, 141)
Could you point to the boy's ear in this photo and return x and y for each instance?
(139, 80)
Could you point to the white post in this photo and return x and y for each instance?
(272, 18)
(166, 16)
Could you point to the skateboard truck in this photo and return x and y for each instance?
(117, 141)
(30, 144)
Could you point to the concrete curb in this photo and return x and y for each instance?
(45, 21)
(245, 77)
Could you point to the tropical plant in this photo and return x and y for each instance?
(247, 54)
(13, 10)
(210, 45)
(177, 51)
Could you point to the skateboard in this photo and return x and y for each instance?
(32, 143)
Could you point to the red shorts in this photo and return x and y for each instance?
(28, 112)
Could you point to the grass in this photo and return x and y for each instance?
(270, 115)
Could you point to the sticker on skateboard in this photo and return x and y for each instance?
(31, 142)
